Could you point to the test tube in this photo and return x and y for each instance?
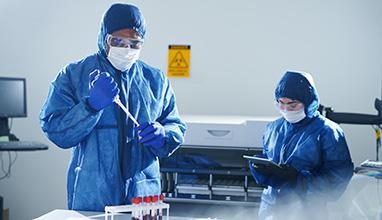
(153, 215)
(146, 211)
(135, 214)
(160, 211)
(155, 201)
(140, 214)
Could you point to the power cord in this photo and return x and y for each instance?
(6, 168)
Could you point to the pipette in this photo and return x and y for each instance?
(118, 102)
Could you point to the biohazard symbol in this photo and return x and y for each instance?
(178, 61)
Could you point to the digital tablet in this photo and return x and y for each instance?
(260, 160)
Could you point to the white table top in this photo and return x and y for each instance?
(61, 214)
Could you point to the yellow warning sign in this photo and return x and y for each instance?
(179, 60)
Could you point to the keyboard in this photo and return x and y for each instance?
(22, 146)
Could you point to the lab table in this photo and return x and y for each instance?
(61, 214)
(19, 146)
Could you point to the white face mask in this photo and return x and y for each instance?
(293, 116)
(123, 58)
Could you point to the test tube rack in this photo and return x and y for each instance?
(110, 211)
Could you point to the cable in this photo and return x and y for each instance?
(5, 171)
(11, 162)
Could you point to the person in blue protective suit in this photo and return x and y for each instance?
(311, 150)
(113, 160)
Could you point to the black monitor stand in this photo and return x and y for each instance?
(5, 131)
(4, 127)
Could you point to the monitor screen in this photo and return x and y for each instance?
(12, 97)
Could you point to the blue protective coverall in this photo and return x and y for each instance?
(315, 147)
(108, 166)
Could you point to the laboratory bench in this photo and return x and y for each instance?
(61, 214)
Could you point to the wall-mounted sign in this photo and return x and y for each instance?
(178, 61)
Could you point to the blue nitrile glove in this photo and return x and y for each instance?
(151, 134)
(103, 90)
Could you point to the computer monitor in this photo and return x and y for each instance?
(13, 102)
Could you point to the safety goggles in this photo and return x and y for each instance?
(115, 41)
(290, 106)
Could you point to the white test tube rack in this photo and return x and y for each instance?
(110, 211)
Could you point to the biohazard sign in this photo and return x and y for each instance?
(179, 60)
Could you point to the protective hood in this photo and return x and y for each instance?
(120, 16)
(299, 86)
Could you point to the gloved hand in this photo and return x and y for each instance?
(152, 134)
(103, 90)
